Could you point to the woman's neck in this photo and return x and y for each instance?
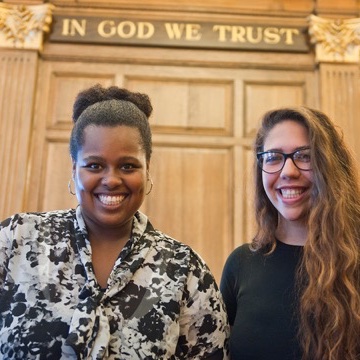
(108, 233)
(292, 232)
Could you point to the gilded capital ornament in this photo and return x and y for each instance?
(23, 26)
(335, 40)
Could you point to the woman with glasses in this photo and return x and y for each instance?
(293, 292)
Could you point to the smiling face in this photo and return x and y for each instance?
(289, 189)
(110, 176)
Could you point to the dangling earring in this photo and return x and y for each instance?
(69, 187)
(151, 183)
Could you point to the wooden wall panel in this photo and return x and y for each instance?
(17, 86)
(56, 177)
(65, 86)
(254, 6)
(335, 8)
(340, 94)
(263, 96)
(187, 105)
(191, 199)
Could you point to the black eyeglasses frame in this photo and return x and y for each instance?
(285, 155)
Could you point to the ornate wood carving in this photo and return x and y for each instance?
(335, 40)
(23, 26)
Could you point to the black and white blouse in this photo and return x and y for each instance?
(161, 301)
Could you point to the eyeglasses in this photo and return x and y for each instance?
(273, 161)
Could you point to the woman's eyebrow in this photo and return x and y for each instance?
(304, 147)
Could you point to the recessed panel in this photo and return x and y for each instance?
(188, 105)
(192, 199)
(261, 97)
(65, 86)
(54, 184)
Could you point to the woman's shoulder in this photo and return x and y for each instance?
(175, 249)
(242, 250)
(24, 218)
(243, 255)
(163, 240)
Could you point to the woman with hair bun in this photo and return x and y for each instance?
(99, 281)
(294, 292)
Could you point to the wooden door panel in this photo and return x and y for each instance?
(54, 191)
(17, 82)
(187, 105)
(191, 199)
(65, 86)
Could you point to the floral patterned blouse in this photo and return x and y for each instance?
(161, 301)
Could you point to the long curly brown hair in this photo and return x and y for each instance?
(328, 276)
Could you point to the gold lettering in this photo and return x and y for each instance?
(73, 26)
(146, 30)
(222, 29)
(193, 32)
(238, 34)
(66, 27)
(106, 28)
(250, 37)
(271, 35)
(131, 29)
(289, 35)
(174, 30)
(223, 33)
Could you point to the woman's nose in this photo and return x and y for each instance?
(289, 168)
(112, 178)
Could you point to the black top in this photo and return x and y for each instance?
(260, 297)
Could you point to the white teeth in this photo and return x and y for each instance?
(291, 193)
(111, 200)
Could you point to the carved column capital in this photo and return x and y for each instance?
(335, 40)
(22, 26)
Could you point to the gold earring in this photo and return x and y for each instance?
(69, 187)
(151, 184)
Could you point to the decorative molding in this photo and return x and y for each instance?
(22, 27)
(335, 40)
